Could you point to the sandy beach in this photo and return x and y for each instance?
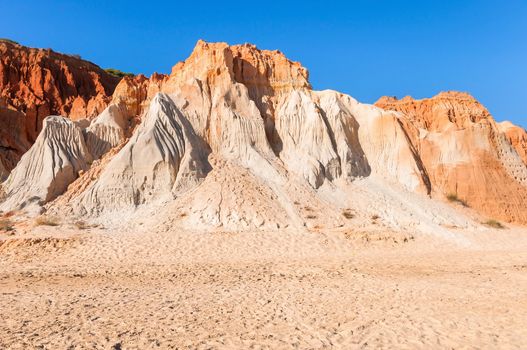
(284, 289)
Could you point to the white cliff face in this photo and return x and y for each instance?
(328, 136)
(257, 108)
(51, 164)
(159, 158)
(344, 128)
(307, 146)
(106, 131)
(387, 147)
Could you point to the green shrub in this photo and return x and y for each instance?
(117, 73)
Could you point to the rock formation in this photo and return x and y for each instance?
(465, 153)
(256, 110)
(517, 136)
(56, 158)
(134, 93)
(159, 159)
(36, 83)
(106, 131)
(220, 87)
(236, 138)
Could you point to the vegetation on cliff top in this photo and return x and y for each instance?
(118, 73)
(9, 41)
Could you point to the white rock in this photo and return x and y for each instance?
(51, 164)
(160, 159)
(307, 145)
(106, 131)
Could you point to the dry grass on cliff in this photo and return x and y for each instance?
(348, 214)
(6, 225)
(81, 225)
(494, 224)
(453, 198)
(47, 221)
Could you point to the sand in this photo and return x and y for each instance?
(64, 288)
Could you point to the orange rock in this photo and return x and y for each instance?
(465, 153)
(263, 72)
(135, 93)
(447, 109)
(517, 137)
(40, 82)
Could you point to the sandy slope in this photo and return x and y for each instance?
(282, 289)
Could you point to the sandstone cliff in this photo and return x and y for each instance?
(36, 83)
(517, 136)
(133, 94)
(466, 154)
(235, 137)
(251, 109)
(159, 159)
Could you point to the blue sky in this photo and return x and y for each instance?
(364, 48)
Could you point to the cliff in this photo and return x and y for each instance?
(36, 83)
(235, 137)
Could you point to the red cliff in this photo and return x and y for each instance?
(35, 83)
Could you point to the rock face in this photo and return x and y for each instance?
(256, 106)
(46, 170)
(3, 172)
(235, 138)
(133, 94)
(447, 109)
(106, 131)
(14, 140)
(467, 154)
(35, 83)
(517, 137)
(159, 159)
(252, 109)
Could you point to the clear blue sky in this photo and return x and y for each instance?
(364, 48)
